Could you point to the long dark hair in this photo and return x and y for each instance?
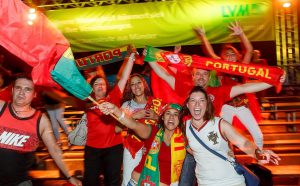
(128, 94)
(209, 113)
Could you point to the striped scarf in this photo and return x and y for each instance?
(150, 173)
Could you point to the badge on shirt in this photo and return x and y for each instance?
(213, 137)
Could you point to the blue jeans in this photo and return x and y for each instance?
(132, 183)
(187, 177)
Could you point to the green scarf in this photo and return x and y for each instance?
(150, 172)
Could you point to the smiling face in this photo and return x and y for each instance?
(171, 119)
(23, 92)
(137, 86)
(230, 53)
(197, 105)
(100, 88)
(200, 77)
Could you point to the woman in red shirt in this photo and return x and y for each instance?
(104, 149)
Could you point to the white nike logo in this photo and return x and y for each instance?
(10, 138)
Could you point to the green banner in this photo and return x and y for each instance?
(162, 23)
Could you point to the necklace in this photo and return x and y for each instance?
(20, 111)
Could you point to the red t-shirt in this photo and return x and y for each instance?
(219, 95)
(101, 128)
(164, 158)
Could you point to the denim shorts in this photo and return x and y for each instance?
(132, 183)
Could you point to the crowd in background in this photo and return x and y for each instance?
(160, 146)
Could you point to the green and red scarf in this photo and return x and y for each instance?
(150, 174)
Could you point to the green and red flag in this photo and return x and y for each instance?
(67, 75)
(167, 93)
(40, 45)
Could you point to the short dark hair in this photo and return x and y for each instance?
(22, 76)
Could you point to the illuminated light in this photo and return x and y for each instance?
(32, 10)
(30, 22)
(31, 16)
(286, 4)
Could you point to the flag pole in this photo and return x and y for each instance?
(94, 101)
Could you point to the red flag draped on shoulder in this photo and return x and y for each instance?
(162, 90)
(40, 45)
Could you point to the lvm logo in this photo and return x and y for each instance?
(241, 10)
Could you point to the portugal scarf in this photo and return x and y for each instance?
(263, 73)
(150, 173)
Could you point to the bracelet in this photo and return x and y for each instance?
(122, 116)
(258, 153)
(68, 178)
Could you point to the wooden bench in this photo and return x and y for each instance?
(277, 149)
(73, 112)
(274, 99)
(280, 105)
(66, 155)
(279, 170)
(282, 142)
(73, 164)
(44, 174)
(290, 114)
(50, 174)
(282, 136)
(286, 158)
(278, 122)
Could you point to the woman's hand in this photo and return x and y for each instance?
(139, 114)
(107, 108)
(150, 114)
(267, 156)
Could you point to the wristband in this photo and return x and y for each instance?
(68, 178)
(122, 116)
(258, 153)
